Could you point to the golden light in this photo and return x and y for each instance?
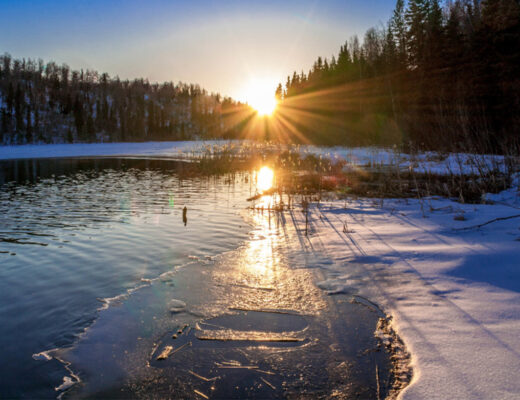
(264, 105)
(264, 179)
(259, 94)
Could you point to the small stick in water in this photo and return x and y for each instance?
(268, 383)
(185, 215)
(165, 353)
(200, 394)
(264, 372)
(202, 377)
(182, 347)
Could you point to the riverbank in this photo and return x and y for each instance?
(447, 272)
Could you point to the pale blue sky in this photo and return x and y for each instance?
(221, 45)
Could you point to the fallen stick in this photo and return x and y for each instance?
(236, 366)
(467, 228)
(200, 394)
(202, 377)
(253, 287)
(266, 310)
(182, 347)
(268, 383)
(251, 339)
(168, 351)
(265, 372)
(165, 353)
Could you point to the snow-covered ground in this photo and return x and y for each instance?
(427, 162)
(452, 288)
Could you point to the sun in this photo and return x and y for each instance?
(263, 104)
(259, 94)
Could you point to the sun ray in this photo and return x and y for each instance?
(292, 129)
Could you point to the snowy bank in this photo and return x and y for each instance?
(452, 288)
(423, 162)
(373, 157)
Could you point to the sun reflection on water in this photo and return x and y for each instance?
(260, 276)
(264, 179)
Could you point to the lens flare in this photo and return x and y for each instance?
(264, 179)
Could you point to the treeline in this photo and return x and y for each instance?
(48, 103)
(439, 75)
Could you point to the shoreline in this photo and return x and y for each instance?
(310, 250)
(383, 335)
(73, 379)
(460, 327)
(414, 259)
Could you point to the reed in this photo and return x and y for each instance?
(465, 177)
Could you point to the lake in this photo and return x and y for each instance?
(107, 291)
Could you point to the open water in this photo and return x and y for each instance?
(107, 291)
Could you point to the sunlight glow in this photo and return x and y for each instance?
(259, 94)
(265, 179)
(264, 105)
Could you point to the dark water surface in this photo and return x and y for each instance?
(99, 274)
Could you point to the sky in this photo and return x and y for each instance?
(228, 47)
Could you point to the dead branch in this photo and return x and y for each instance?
(467, 228)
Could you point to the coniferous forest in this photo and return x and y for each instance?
(48, 103)
(438, 75)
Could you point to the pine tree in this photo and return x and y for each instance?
(416, 17)
(78, 116)
(435, 35)
(278, 94)
(398, 30)
(18, 108)
(28, 126)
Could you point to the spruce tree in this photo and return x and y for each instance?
(416, 17)
(397, 28)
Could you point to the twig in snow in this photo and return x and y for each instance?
(345, 226)
(486, 223)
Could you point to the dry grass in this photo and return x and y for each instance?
(310, 176)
